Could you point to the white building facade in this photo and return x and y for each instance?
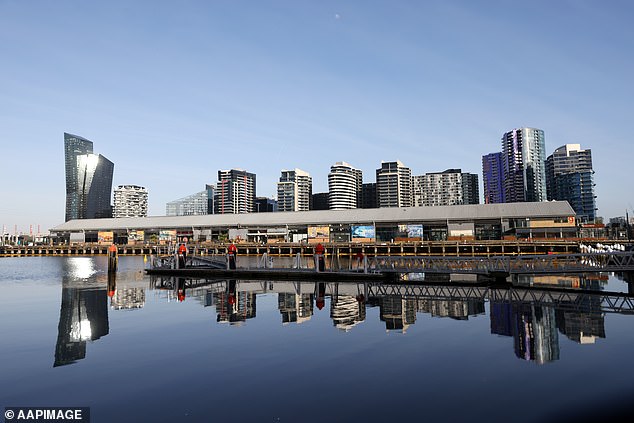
(130, 201)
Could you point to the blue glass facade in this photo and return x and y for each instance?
(492, 177)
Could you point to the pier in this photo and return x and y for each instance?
(387, 267)
(347, 249)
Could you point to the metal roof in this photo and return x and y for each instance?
(403, 215)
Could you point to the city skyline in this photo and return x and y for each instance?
(217, 86)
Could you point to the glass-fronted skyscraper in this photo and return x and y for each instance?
(88, 180)
(524, 165)
(73, 146)
(492, 177)
(196, 204)
(570, 177)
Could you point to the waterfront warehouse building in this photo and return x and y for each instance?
(548, 219)
(345, 184)
(524, 165)
(570, 177)
(294, 190)
(130, 201)
(192, 205)
(394, 185)
(235, 192)
(492, 177)
(448, 188)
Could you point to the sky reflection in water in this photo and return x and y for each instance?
(135, 348)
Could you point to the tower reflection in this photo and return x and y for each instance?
(83, 317)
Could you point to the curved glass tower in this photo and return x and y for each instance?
(88, 180)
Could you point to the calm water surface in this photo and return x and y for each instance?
(141, 349)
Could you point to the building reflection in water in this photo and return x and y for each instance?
(124, 298)
(295, 308)
(532, 327)
(397, 312)
(525, 315)
(83, 313)
(234, 307)
(83, 317)
(347, 311)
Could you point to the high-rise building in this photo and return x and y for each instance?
(320, 201)
(88, 180)
(73, 146)
(570, 177)
(265, 205)
(235, 192)
(394, 185)
(524, 165)
(492, 177)
(294, 190)
(344, 186)
(368, 196)
(130, 201)
(196, 204)
(448, 188)
(94, 174)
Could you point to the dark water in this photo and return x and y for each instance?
(136, 349)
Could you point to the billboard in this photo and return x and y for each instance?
(105, 237)
(318, 232)
(415, 231)
(363, 231)
(167, 236)
(136, 236)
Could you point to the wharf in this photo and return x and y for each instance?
(421, 248)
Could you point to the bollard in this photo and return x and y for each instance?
(112, 259)
(298, 262)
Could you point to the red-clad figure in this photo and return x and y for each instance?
(182, 256)
(320, 264)
(232, 253)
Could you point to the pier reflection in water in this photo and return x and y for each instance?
(533, 313)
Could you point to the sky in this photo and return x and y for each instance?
(173, 91)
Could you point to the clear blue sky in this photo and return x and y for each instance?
(173, 91)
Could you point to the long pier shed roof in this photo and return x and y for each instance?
(403, 215)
